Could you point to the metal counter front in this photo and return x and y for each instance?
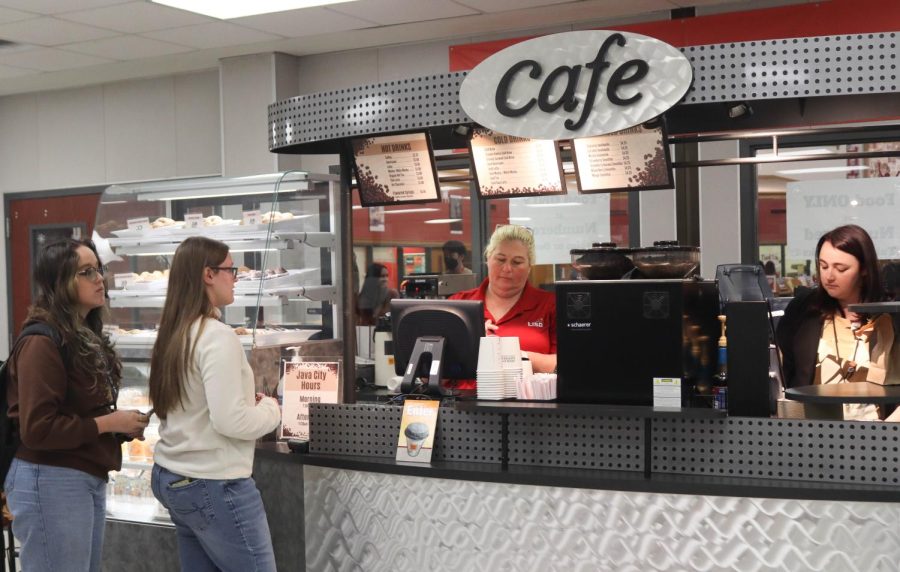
(558, 487)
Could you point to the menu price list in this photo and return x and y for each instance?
(395, 169)
(508, 165)
(631, 159)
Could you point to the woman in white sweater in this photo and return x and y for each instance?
(202, 389)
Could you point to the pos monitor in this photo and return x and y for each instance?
(435, 339)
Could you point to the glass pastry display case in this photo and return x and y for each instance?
(281, 230)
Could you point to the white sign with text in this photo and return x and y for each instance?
(575, 84)
(815, 207)
(561, 223)
(304, 383)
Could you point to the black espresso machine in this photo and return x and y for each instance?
(615, 335)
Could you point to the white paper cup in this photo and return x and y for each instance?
(489, 354)
(510, 354)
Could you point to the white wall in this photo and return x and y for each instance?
(129, 131)
(720, 212)
(658, 221)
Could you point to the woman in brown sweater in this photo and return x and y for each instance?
(63, 395)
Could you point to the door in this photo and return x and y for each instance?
(32, 223)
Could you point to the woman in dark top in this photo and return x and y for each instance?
(64, 400)
(375, 297)
(848, 274)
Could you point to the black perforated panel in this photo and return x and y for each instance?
(356, 430)
(611, 443)
(469, 436)
(393, 106)
(767, 69)
(829, 451)
(794, 67)
(373, 430)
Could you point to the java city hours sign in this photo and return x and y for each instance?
(575, 84)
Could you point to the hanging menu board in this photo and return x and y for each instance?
(395, 169)
(508, 166)
(634, 159)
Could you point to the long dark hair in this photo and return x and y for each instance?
(88, 350)
(186, 300)
(374, 293)
(855, 241)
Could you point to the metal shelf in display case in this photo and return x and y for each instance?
(144, 340)
(267, 298)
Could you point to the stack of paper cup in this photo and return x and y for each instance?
(491, 383)
(511, 358)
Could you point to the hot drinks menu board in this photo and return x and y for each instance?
(395, 169)
(508, 166)
(633, 159)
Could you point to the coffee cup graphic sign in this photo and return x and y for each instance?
(415, 433)
(417, 427)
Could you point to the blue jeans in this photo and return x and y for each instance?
(221, 524)
(59, 516)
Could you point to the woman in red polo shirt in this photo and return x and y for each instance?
(512, 306)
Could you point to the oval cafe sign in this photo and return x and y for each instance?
(575, 84)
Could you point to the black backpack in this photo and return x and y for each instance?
(9, 428)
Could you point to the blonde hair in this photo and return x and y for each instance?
(511, 232)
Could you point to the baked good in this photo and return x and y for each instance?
(161, 222)
(212, 220)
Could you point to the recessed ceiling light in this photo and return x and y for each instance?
(823, 170)
(227, 9)
(551, 205)
(798, 152)
(442, 220)
(405, 211)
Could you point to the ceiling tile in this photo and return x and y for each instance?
(504, 5)
(127, 48)
(7, 15)
(387, 12)
(9, 71)
(306, 22)
(136, 17)
(50, 59)
(57, 6)
(48, 31)
(212, 35)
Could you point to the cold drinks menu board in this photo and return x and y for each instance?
(508, 166)
(633, 159)
(395, 169)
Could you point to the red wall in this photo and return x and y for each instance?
(772, 219)
(801, 20)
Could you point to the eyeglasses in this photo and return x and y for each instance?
(91, 273)
(232, 269)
